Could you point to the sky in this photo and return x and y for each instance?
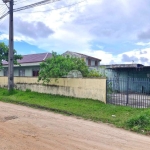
(115, 31)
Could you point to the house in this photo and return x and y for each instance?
(90, 61)
(29, 65)
(127, 70)
(134, 77)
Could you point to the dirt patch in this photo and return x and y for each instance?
(10, 118)
(30, 129)
(4, 119)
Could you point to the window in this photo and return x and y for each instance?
(89, 62)
(35, 73)
(96, 63)
(21, 72)
(5, 72)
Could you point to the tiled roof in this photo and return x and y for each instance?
(120, 66)
(32, 58)
(87, 56)
(83, 55)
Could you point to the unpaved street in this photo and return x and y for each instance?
(23, 128)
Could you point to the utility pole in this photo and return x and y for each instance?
(11, 46)
(11, 35)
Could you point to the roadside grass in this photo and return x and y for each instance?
(134, 119)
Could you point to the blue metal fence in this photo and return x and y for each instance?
(133, 92)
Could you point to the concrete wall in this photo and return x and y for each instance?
(74, 87)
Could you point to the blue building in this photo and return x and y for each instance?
(134, 77)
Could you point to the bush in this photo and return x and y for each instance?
(9, 92)
(94, 73)
(59, 66)
(28, 90)
(139, 123)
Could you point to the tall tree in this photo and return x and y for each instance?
(4, 49)
(59, 66)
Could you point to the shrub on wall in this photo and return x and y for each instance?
(94, 73)
(59, 66)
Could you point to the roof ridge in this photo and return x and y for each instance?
(87, 55)
(34, 54)
(45, 56)
(32, 58)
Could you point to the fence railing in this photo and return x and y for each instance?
(133, 92)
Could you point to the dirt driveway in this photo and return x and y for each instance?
(23, 128)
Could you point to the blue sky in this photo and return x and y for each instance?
(115, 31)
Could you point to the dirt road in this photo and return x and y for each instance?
(23, 128)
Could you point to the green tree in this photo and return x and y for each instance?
(59, 66)
(4, 49)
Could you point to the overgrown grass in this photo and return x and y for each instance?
(137, 120)
(139, 123)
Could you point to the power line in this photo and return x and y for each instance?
(2, 7)
(42, 11)
(3, 11)
(57, 8)
(4, 15)
(35, 5)
(1, 23)
(30, 6)
(11, 36)
(21, 1)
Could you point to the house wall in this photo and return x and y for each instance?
(74, 87)
(92, 62)
(124, 73)
(139, 79)
(1, 73)
(72, 54)
(87, 62)
(16, 73)
(28, 70)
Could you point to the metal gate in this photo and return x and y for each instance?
(133, 92)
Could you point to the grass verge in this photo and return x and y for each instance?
(134, 119)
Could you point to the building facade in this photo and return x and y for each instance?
(29, 65)
(90, 61)
(134, 77)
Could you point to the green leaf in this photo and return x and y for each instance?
(59, 66)
(4, 51)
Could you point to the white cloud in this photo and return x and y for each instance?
(133, 56)
(3, 36)
(143, 44)
(100, 22)
(137, 56)
(104, 56)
